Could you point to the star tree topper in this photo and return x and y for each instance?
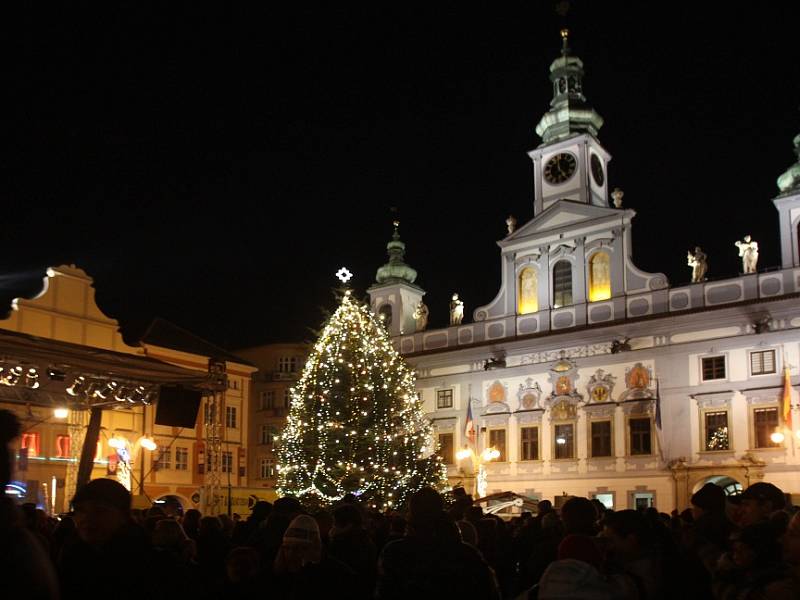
(344, 275)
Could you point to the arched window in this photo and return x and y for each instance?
(527, 292)
(562, 284)
(599, 277)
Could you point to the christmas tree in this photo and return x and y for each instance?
(356, 424)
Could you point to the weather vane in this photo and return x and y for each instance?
(344, 275)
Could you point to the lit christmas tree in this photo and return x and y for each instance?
(356, 423)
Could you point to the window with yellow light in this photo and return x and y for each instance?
(599, 277)
(528, 301)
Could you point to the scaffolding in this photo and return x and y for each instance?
(77, 422)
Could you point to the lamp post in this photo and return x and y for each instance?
(488, 455)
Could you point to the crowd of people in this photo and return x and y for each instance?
(745, 547)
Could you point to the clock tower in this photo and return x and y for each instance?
(570, 163)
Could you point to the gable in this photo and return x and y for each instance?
(561, 215)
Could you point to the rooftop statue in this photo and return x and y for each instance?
(699, 263)
(748, 251)
(421, 316)
(456, 310)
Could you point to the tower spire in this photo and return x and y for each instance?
(569, 112)
(396, 270)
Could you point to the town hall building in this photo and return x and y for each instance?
(591, 377)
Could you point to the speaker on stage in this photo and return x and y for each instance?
(177, 406)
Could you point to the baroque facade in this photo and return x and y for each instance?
(592, 377)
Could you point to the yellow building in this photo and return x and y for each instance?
(279, 367)
(57, 345)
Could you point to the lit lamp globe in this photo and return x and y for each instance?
(777, 437)
(464, 453)
(60, 412)
(490, 454)
(561, 441)
(148, 444)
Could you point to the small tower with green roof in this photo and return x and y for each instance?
(394, 296)
(788, 205)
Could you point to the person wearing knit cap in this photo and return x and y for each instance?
(759, 501)
(102, 507)
(303, 570)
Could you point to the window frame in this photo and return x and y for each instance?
(231, 411)
(504, 450)
(536, 440)
(164, 458)
(226, 462)
(724, 358)
(573, 445)
(630, 437)
(591, 436)
(451, 459)
(442, 394)
(181, 452)
(704, 414)
(267, 465)
(752, 353)
(560, 292)
(754, 439)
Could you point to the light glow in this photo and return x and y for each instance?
(60, 412)
(777, 437)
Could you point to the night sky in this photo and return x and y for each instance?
(216, 169)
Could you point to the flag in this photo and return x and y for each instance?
(786, 400)
(658, 406)
(469, 426)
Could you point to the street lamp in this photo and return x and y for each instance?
(488, 455)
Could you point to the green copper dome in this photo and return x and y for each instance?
(396, 271)
(569, 112)
(790, 180)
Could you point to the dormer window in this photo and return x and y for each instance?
(562, 284)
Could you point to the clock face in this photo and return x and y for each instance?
(600, 394)
(560, 168)
(597, 170)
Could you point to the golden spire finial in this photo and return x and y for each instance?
(564, 34)
(564, 41)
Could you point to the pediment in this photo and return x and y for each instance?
(562, 215)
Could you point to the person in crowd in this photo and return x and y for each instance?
(576, 573)
(579, 516)
(191, 523)
(708, 536)
(105, 532)
(175, 572)
(432, 561)
(267, 539)
(350, 543)
(303, 570)
(631, 551)
(759, 502)
(212, 548)
(753, 567)
(244, 529)
(24, 559)
(242, 577)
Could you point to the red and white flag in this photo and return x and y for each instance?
(469, 427)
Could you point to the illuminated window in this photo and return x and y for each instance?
(564, 438)
(446, 448)
(599, 277)
(562, 284)
(62, 446)
(181, 459)
(287, 397)
(530, 443)
(716, 423)
(765, 423)
(762, 362)
(31, 442)
(528, 300)
(497, 440)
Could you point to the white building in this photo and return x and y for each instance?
(565, 367)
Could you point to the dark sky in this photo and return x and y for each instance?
(216, 169)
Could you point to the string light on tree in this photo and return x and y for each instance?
(356, 423)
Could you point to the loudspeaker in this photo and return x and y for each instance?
(177, 406)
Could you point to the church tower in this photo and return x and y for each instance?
(394, 296)
(788, 205)
(570, 163)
